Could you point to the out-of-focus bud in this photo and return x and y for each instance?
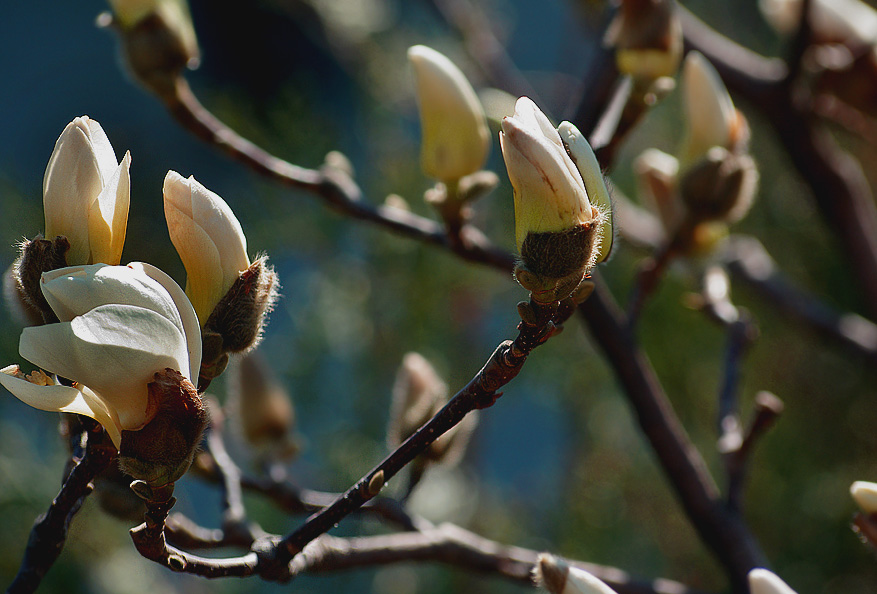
(208, 238)
(128, 339)
(720, 186)
(657, 178)
(865, 496)
(647, 38)
(556, 576)
(455, 135)
(263, 409)
(762, 581)
(848, 22)
(86, 193)
(560, 233)
(418, 394)
(158, 39)
(712, 118)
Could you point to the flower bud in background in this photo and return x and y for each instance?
(720, 186)
(647, 38)
(262, 409)
(865, 496)
(762, 581)
(231, 296)
(158, 39)
(556, 576)
(128, 339)
(712, 118)
(86, 193)
(560, 233)
(848, 22)
(418, 394)
(657, 179)
(455, 135)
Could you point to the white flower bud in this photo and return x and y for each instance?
(208, 238)
(849, 22)
(120, 325)
(562, 209)
(556, 576)
(712, 118)
(86, 193)
(657, 180)
(455, 135)
(172, 14)
(762, 581)
(865, 496)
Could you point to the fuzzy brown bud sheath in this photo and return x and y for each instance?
(720, 186)
(162, 451)
(238, 319)
(38, 256)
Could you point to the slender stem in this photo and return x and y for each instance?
(49, 533)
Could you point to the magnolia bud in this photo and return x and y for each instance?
(720, 186)
(848, 22)
(86, 193)
(762, 581)
(556, 576)
(208, 238)
(158, 39)
(657, 177)
(712, 118)
(38, 256)
(865, 496)
(161, 452)
(455, 135)
(263, 408)
(559, 232)
(647, 38)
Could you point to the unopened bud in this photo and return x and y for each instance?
(557, 577)
(263, 408)
(416, 390)
(720, 186)
(657, 177)
(157, 38)
(865, 496)
(762, 581)
(647, 38)
(161, 452)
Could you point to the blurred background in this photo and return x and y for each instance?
(558, 464)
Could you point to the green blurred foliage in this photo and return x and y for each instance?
(559, 463)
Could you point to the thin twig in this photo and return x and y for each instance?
(49, 532)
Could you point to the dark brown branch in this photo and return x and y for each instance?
(481, 392)
(455, 546)
(49, 532)
(749, 262)
(723, 531)
(768, 408)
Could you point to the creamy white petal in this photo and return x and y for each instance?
(113, 349)
(762, 581)
(108, 217)
(187, 314)
(72, 182)
(103, 150)
(708, 106)
(58, 398)
(548, 195)
(76, 290)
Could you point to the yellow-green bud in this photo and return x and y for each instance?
(455, 135)
(647, 38)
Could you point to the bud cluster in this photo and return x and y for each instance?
(123, 344)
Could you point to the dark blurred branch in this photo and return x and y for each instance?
(839, 187)
(768, 408)
(749, 262)
(49, 532)
(455, 546)
(721, 529)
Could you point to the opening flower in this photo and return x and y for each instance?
(119, 327)
(86, 193)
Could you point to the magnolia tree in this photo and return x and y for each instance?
(138, 364)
